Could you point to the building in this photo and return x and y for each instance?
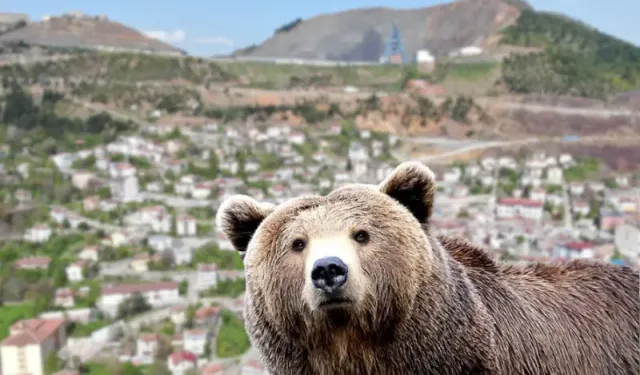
(574, 250)
(509, 208)
(76, 270)
(627, 239)
(81, 179)
(207, 276)
(253, 367)
(124, 189)
(38, 234)
(186, 225)
(181, 362)
(196, 340)
(29, 344)
(147, 347)
(157, 295)
(33, 263)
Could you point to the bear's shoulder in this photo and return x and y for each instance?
(468, 254)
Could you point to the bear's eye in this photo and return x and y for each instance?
(361, 237)
(298, 245)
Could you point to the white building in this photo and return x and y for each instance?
(38, 234)
(182, 254)
(157, 295)
(124, 189)
(627, 239)
(75, 271)
(574, 250)
(147, 347)
(513, 207)
(29, 344)
(186, 225)
(424, 57)
(207, 276)
(554, 176)
(196, 340)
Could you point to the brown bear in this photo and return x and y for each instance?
(355, 283)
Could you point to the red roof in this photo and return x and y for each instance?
(520, 202)
(33, 261)
(150, 337)
(130, 288)
(212, 369)
(578, 245)
(32, 331)
(178, 357)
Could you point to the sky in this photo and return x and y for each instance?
(209, 27)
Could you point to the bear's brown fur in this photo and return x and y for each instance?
(420, 304)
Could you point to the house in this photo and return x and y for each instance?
(147, 347)
(253, 367)
(33, 263)
(627, 239)
(554, 175)
(91, 203)
(196, 340)
(178, 315)
(581, 208)
(213, 368)
(140, 262)
(201, 191)
(207, 276)
(573, 250)
(157, 294)
(90, 253)
(297, 138)
(81, 179)
(29, 344)
(538, 195)
(38, 234)
(76, 270)
(124, 189)
(576, 188)
(452, 176)
(22, 195)
(610, 219)
(64, 297)
(514, 207)
(182, 254)
(206, 316)
(160, 242)
(186, 225)
(181, 362)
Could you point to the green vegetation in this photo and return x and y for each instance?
(227, 288)
(232, 339)
(40, 128)
(211, 253)
(9, 314)
(584, 169)
(84, 330)
(575, 60)
(136, 304)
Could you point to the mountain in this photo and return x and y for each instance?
(81, 31)
(360, 34)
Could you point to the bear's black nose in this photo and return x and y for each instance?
(329, 274)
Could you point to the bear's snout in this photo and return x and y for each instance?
(329, 274)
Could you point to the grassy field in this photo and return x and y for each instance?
(9, 314)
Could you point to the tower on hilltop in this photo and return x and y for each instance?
(394, 51)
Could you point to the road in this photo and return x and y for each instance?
(587, 112)
(568, 218)
(92, 223)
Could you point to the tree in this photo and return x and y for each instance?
(183, 287)
(52, 363)
(133, 305)
(159, 368)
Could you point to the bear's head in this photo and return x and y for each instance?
(349, 261)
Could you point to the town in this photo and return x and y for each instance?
(129, 272)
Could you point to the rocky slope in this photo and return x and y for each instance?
(360, 34)
(81, 31)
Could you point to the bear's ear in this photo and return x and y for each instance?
(239, 217)
(413, 185)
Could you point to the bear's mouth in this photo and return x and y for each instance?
(334, 303)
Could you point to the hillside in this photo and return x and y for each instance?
(360, 34)
(81, 31)
(576, 58)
